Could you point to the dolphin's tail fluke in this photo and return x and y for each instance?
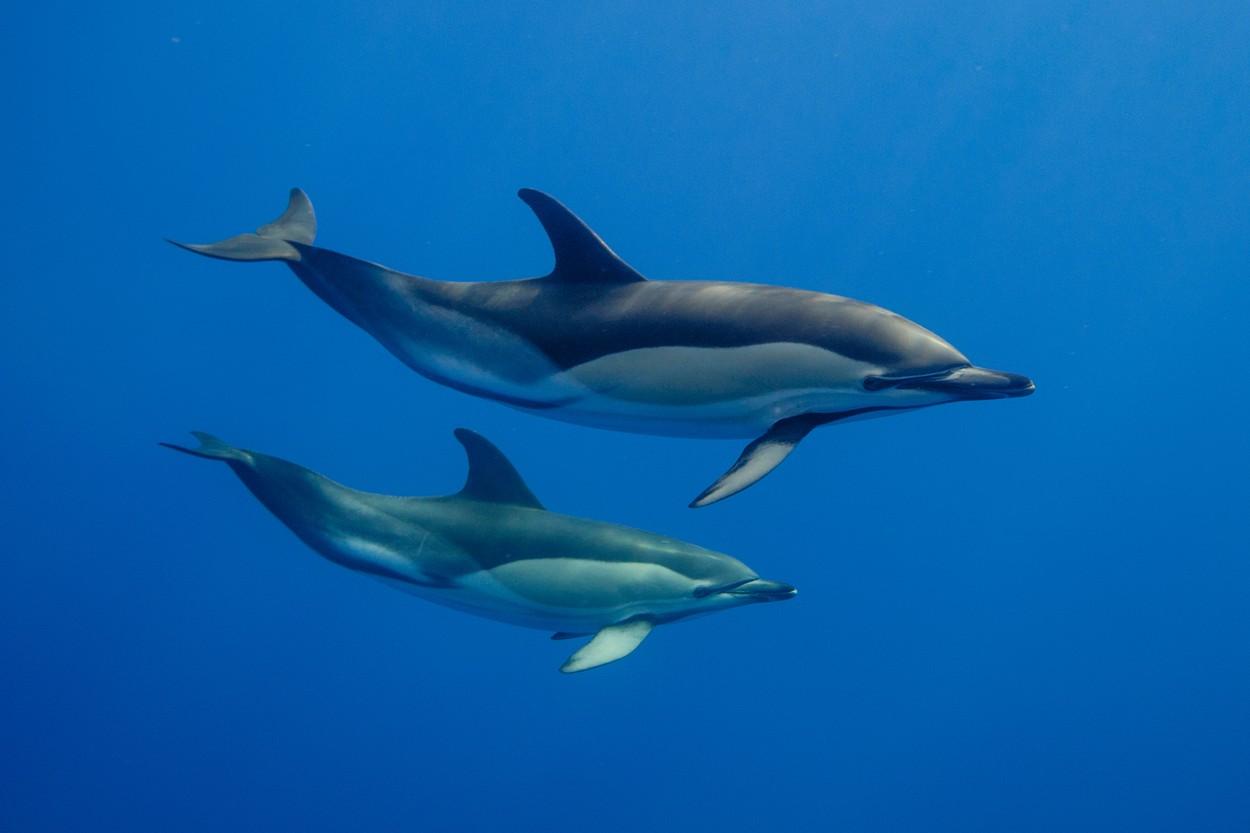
(212, 448)
(272, 241)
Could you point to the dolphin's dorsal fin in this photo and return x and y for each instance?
(491, 477)
(581, 255)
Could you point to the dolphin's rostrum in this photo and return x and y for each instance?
(493, 550)
(596, 343)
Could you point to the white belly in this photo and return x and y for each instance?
(712, 392)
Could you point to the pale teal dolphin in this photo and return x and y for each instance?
(493, 550)
(596, 343)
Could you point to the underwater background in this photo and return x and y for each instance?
(1013, 616)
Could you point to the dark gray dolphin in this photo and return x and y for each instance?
(492, 549)
(596, 343)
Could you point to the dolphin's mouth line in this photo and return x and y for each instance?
(755, 589)
(963, 382)
(876, 383)
(775, 592)
(703, 592)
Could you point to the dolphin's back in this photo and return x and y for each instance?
(576, 323)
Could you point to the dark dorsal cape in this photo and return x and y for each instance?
(602, 305)
(593, 304)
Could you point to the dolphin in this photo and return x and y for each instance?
(493, 550)
(596, 343)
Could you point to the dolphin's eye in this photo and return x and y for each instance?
(875, 383)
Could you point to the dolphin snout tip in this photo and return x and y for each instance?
(1018, 385)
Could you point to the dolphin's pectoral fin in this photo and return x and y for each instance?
(610, 644)
(491, 477)
(567, 635)
(581, 255)
(272, 241)
(758, 459)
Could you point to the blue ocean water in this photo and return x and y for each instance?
(1013, 616)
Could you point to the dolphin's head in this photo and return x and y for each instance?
(902, 365)
(742, 592)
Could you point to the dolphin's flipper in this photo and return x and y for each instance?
(492, 477)
(758, 459)
(567, 635)
(581, 255)
(272, 241)
(610, 644)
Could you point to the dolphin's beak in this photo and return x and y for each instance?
(763, 590)
(975, 383)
